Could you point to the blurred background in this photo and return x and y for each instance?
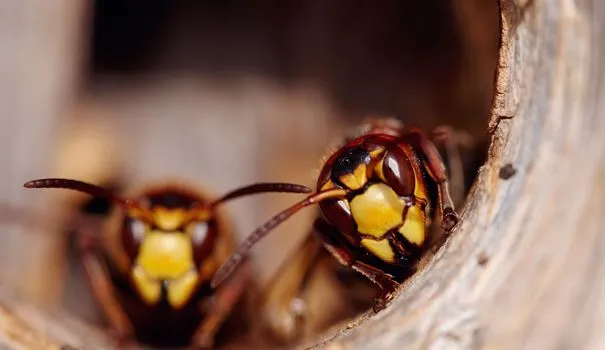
(219, 93)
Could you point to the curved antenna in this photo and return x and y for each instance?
(84, 187)
(203, 210)
(230, 265)
(264, 187)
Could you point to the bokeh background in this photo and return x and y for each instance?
(221, 93)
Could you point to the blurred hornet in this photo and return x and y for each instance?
(378, 194)
(151, 266)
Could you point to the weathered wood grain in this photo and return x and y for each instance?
(23, 326)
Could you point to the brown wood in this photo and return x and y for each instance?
(25, 327)
(525, 269)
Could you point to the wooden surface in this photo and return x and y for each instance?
(41, 58)
(25, 327)
(526, 267)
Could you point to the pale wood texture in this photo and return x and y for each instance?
(41, 54)
(526, 267)
(25, 327)
(41, 50)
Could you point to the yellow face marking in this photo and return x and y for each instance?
(381, 249)
(377, 210)
(168, 219)
(356, 180)
(376, 152)
(328, 185)
(180, 290)
(414, 227)
(149, 289)
(165, 256)
(420, 189)
(375, 162)
(378, 170)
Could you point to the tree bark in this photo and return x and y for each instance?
(525, 268)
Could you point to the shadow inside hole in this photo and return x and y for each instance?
(427, 63)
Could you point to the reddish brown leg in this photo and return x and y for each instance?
(438, 172)
(224, 299)
(103, 291)
(329, 237)
(452, 140)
